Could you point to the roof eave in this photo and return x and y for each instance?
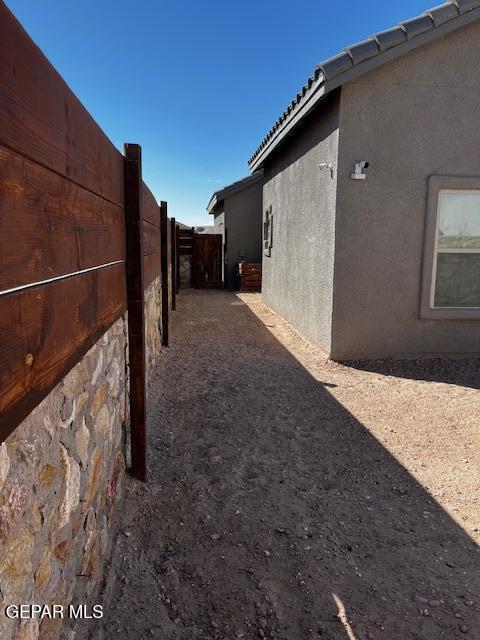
(214, 202)
(313, 98)
(217, 208)
(325, 88)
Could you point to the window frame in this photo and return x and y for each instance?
(436, 184)
(268, 232)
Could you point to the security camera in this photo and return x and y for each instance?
(359, 168)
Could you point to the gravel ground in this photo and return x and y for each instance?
(295, 498)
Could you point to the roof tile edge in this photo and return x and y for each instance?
(355, 54)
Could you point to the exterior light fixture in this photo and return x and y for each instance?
(326, 165)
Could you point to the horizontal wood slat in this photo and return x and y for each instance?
(42, 119)
(151, 268)
(44, 332)
(50, 226)
(151, 238)
(151, 210)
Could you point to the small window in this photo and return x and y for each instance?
(451, 283)
(268, 231)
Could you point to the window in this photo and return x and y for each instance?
(451, 283)
(268, 231)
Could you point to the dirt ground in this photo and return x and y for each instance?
(298, 499)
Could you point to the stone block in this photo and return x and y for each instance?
(63, 550)
(94, 477)
(29, 630)
(4, 464)
(98, 400)
(43, 573)
(47, 474)
(82, 438)
(12, 503)
(50, 629)
(71, 498)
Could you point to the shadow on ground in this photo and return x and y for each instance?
(272, 512)
(460, 371)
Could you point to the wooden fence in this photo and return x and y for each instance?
(79, 237)
(184, 244)
(203, 252)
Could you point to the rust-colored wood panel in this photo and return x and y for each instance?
(45, 331)
(151, 210)
(42, 119)
(50, 226)
(207, 261)
(151, 238)
(151, 268)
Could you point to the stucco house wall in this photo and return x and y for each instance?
(411, 118)
(297, 278)
(243, 222)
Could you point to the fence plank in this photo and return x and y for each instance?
(136, 304)
(164, 269)
(46, 330)
(49, 226)
(185, 242)
(44, 121)
(151, 238)
(151, 268)
(150, 209)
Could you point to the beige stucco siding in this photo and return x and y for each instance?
(410, 119)
(297, 278)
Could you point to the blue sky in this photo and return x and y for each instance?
(196, 83)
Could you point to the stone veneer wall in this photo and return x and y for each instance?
(153, 319)
(61, 476)
(185, 268)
